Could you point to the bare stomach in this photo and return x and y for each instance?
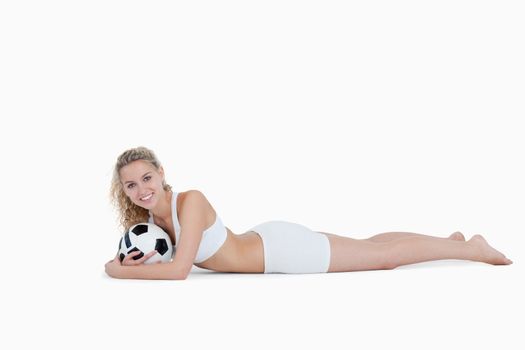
(239, 253)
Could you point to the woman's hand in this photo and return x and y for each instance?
(114, 267)
(128, 260)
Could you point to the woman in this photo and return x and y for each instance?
(141, 194)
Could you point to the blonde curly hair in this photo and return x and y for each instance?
(130, 213)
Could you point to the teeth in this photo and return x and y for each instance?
(146, 198)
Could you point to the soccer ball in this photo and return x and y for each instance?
(146, 237)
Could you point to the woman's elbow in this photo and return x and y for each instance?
(177, 272)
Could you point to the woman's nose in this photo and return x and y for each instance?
(141, 190)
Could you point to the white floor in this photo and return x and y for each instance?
(435, 305)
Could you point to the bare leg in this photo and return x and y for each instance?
(389, 236)
(348, 254)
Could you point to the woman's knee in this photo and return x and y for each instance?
(386, 258)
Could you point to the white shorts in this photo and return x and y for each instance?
(293, 248)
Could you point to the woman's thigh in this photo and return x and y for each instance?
(350, 254)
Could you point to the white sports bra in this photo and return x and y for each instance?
(212, 238)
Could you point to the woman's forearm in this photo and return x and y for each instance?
(164, 271)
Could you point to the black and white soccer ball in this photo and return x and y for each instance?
(146, 237)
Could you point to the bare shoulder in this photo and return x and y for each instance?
(194, 203)
(194, 199)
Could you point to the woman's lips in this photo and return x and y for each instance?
(146, 198)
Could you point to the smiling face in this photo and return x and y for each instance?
(142, 183)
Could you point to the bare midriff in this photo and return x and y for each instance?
(239, 253)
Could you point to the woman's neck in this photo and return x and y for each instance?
(163, 209)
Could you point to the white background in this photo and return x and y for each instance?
(349, 117)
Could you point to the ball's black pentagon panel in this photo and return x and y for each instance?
(120, 243)
(140, 229)
(127, 240)
(121, 256)
(161, 246)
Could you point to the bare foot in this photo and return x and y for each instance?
(485, 253)
(457, 236)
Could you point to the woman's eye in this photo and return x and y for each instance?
(146, 179)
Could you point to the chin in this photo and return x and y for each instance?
(147, 206)
(142, 205)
